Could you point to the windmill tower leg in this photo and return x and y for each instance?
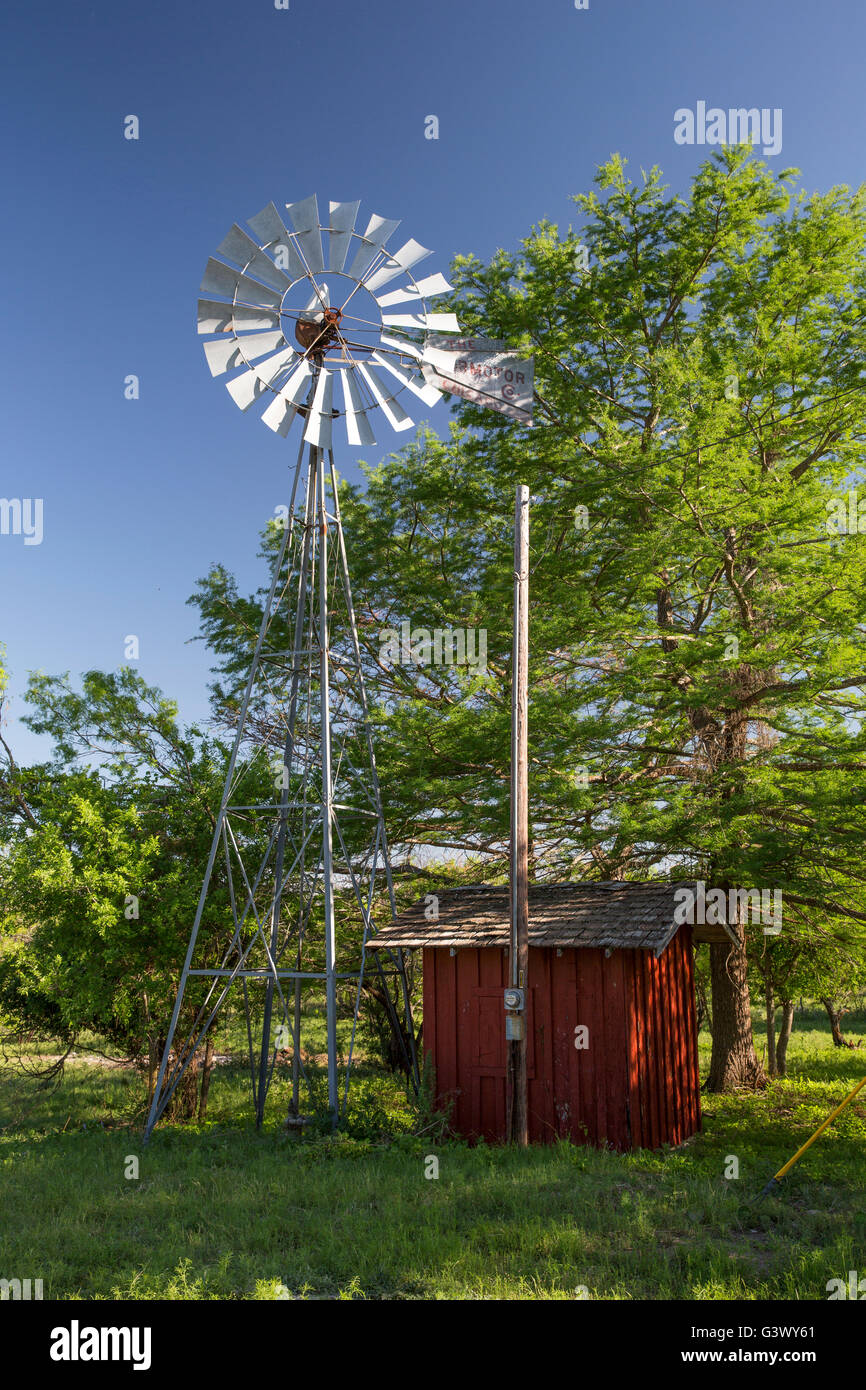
(327, 794)
(288, 754)
(164, 1089)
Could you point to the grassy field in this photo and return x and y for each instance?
(223, 1212)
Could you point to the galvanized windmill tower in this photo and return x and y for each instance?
(299, 854)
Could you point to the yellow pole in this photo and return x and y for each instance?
(820, 1130)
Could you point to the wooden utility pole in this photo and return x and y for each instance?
(518, 1126)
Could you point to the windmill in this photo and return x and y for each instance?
(299, 855)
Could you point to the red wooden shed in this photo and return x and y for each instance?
(610, 1011)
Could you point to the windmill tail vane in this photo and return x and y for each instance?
(299, 862)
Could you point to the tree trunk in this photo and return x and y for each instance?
(184, 1103)
(154, 1053)
(205, 1080)
(153, 1060)
(770, 997)
(835, 1017)
(784, 1036)
(734, 1064)
(704, 1017)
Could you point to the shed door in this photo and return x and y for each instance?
(486, 1070)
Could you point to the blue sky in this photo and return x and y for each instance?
(240, 103)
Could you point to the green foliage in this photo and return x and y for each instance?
(698, 644)
(102, 865)
(104, 852)
(434, 1114)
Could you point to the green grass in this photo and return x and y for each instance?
(223, 1212)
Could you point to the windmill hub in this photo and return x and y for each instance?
(317, 335)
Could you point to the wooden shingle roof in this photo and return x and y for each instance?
(621, 916)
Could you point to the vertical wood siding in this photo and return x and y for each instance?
(635, 1086)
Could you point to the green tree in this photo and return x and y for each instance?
(104, 851)
(705, 377)
(806, 959)
(100, 874)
